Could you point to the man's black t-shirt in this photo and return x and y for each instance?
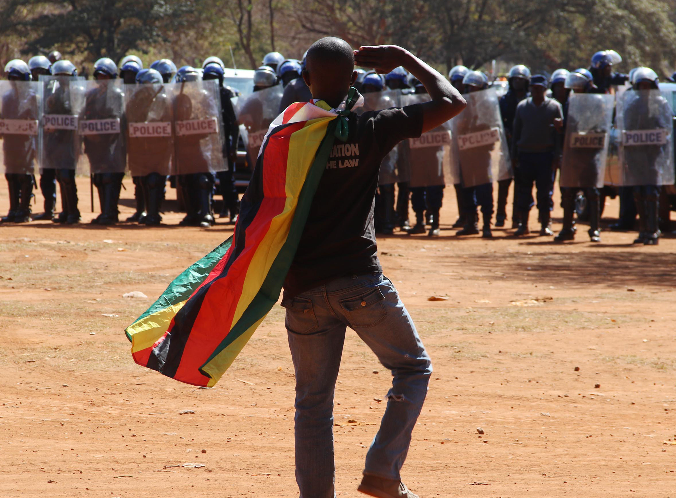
(339, 238)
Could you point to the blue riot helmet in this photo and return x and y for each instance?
(585, 72)
(614, 57)
(133, 58)
(128, 72)
(645, 74)
(167, 69)
(475, 79)
(211, 61)
(457, 73)
(273, 59)
(18, 70)
(558, 76)
(39, 65)
(264, 77)
(578, 82)
(64, 68)
(213, 71)
(372, 83)
(188, 74)
(602, 59)
(155, 64)
(289, 71)
(149, 76)
(105, 66)
(397, 79)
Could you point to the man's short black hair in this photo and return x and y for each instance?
(332, 50)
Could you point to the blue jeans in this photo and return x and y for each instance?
(316, 321)
(535, 167)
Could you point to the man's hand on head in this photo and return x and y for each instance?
(382, 58)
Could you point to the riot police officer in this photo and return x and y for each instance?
(54, 56)
(264, 77)
(557, 85)
(129, 68)
(105, 145)
(588, 119)
(518, 80)
(230, 128)
(61, 145)
(150, 156)
(18, 103)
(40, 66)
(298, 91)
(273, 60)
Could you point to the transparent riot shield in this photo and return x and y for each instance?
(61, 100)
(587, 139)
(390, 171)
(102, 126)
(428, 159)
(198, 136)
(19, 126)
(255, 113)
(150, 139)
(479, 139)
(646, 149)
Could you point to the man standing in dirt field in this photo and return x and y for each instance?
(336, 280)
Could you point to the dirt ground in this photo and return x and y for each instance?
(561, 355)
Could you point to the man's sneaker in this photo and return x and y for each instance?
(384, 488)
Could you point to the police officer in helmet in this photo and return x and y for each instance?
(54, 56)
(456, 75)
(288, 71)
(18, 150)
(601, 68)
(106, 152)
(518, 79)
(297, 90)
(557, 85)
(167, 69)
(273, 60)
(264, 77)
(230, 128)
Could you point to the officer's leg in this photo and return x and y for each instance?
(461, 206)
(205, 190)
(110, 185)
(185, 183)
(471, 226)
(484, 197)
(25, 184)
(652, 200)
(48, 188)
(140, 201)
(628, 210)
(14, 197)
(523, 191)
(594, 210)
(545, 190)
(418, 204)
(154, 188)
(568, 204)
(639, 201)
(387, 208)
(665, 211)
(515, 208)
(97, 179)
(503, 192)
(66, 178)
(434, 197)
(402, 203)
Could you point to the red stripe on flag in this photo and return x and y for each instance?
(291, 111)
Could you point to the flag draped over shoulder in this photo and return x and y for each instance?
(196, 328)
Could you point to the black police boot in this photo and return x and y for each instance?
(546, 224)
(154, 190)
(568, 204)
(486, 232)
(204, 193)
(63, 215)
(112, 183)
(68, 184)
(523, 229)
(434, 228)
(139, 197)
(98, 183)
(652, 235)
(387, 200)
(23, 214)
(14, 197)
(403, 196)
(471, 225)
(594, 210)
(419, 225)
(642, 221)
(48, 188)
(459, 195)
(501, 211)
(190, 200)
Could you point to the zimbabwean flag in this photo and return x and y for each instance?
(194, 331)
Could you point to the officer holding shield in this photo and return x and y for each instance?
(456, 76)
(18, 116)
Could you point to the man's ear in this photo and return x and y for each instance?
(306, 77)
(354, 76)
